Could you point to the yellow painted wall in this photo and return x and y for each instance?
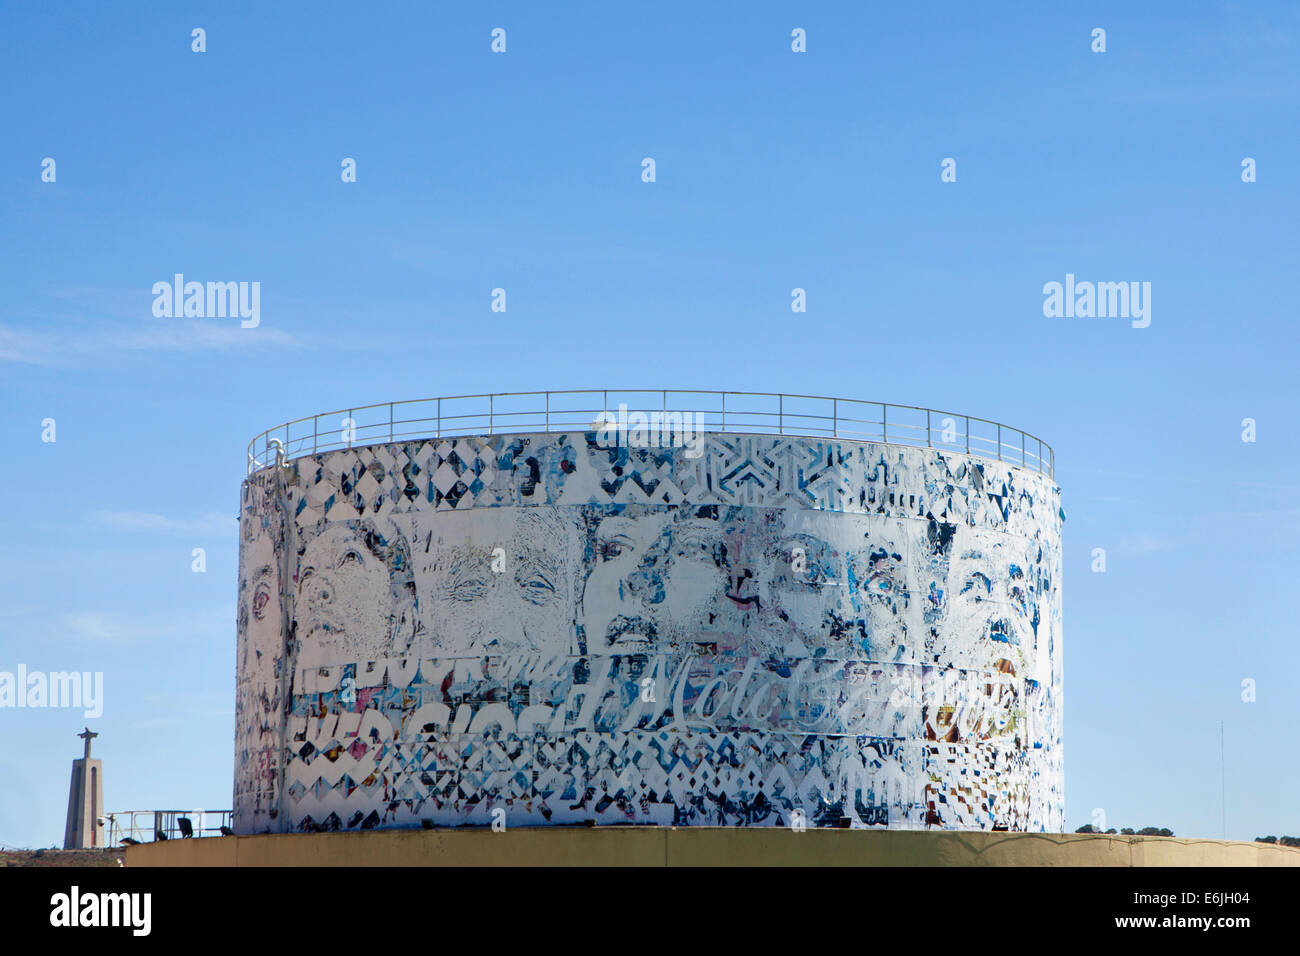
(704, 846)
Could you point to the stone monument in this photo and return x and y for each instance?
(85, 801)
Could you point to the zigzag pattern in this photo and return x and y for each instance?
(752, 470)
(687, 777)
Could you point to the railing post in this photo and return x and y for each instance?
(780, 414)
(929, 442)
(884, 423)
(491, 412)
(724, 411)
(999, 441)
(440, 418)
(390, 421)
(968, 434)
(315, 431)
(1022, 449)
(548, 411)
(835, 418)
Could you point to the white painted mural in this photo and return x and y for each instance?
(540, 629)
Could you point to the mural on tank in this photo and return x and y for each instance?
(777, 629)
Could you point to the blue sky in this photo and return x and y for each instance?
(775, 170)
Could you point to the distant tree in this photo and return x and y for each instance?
(1087, 828)
(1155, 831)
(1111, 830)
(1267, 839)
(1289, 841)
(1127, 831)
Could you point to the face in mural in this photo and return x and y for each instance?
(656, 579)
(744, 616)
(259, 650)
(259, 621)
(990, 609)
(760, 581)
(840, 585)
(353, 590)
(783, 581)
(881, 575)
(497, 580)
(807, 575)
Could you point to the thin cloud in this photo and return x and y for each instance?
(95, 627)
(203, 524)
(78, 341)
(108, 627)
(1145, 544)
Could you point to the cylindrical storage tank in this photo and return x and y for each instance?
(678, 621)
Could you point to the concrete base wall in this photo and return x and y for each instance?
(703, 846)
